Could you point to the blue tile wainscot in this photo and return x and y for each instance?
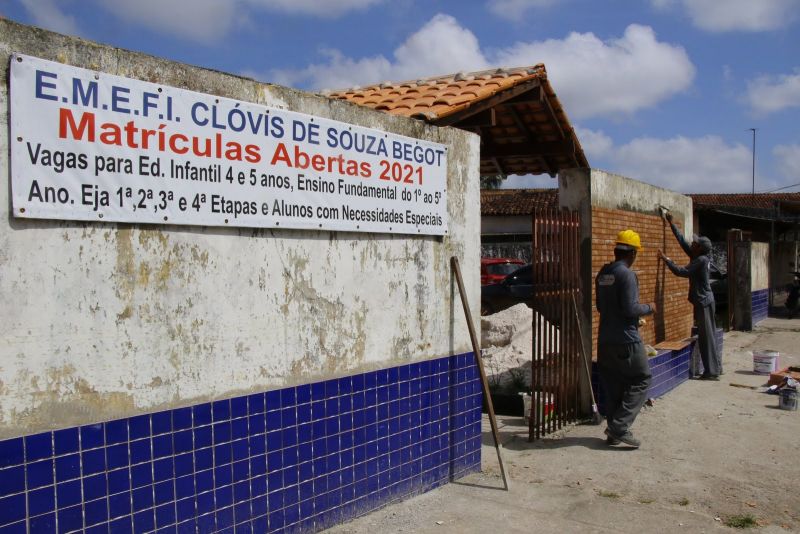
(296, 459)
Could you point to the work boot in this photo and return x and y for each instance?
(626, 438)
(610, 438)
(709, 377)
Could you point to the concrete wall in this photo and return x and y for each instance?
(110, 320)
(609, 203)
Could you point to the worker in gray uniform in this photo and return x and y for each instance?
(700, 295)
(621, 356)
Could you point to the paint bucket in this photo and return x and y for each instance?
(765, 361)
(788, 399)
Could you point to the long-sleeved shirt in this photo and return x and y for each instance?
(617, 300)
(697, 271)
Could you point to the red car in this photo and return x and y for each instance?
(494, 270)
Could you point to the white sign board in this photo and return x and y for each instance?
(92, 146)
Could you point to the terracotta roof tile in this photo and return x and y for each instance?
(742, 200)
(517, 201)
(528, 133)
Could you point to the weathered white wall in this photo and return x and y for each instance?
(108, 320)
(759, 266)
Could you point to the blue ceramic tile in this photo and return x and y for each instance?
(202, 437)
(117, 456)
(165, 515)
(66, 441)
(40, 474)
(273, 421)
(184, 487)
(94, 461)
(139, 426)
(184, 464)
(288, 417)
(119, 505)
(41, 501)
(141, 475)
(70, 518)
(241, 470)
(289, 437)
(163, 469)
(118, 481)
(239, 428)
(116, 431)
(182, 418)
(94, 487)
(203, 459)
(91, 436)
(142, 498)
(141, 451)
(222, 432)
(38, 446)
(255, 404)
(221, 410)
(96, 512)
(144, 521)
(43, 524)
(183, 441)
(222, 454)
(161, 422)
(256, 424)
(69, 493)
(123, 525)
(184, 509)
(204, 480)
(224, 518)
(238, 407)
(223, 475)
(164, 492)
(201, 414)
(223, 496)
(162, 445)
(12, 480)
(345, 385)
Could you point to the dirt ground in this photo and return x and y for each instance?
(711, 454)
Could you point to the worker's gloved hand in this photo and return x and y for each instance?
(668, 217)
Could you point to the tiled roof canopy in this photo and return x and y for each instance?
(517, 201)
(743, 200)
(523, 128)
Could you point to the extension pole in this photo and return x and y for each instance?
(479, 362)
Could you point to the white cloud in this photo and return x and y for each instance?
(788, 157)
(595, 143)
(620, 76)
(514, 9)
(768, 94)
(686, 164)
(48, 15)
(203, 21)
(440, 47)
(592, 77)
(735, 15)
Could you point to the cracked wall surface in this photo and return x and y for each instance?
(106, 320)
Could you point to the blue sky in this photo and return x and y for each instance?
(663, 91)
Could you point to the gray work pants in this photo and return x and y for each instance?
(707, 339)
(625, 373)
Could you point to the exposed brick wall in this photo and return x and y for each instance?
(673, 320)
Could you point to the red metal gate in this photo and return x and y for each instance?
(556, 365)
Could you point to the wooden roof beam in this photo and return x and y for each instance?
(528, 149)
(487, 103)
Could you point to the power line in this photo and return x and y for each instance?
(780, 188)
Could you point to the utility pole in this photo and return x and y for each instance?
(754, 158)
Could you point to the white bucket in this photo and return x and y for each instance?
(765, 361)
(547, 411)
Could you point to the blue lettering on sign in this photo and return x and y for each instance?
(119, 95)
(198, 120)
(147, 102)
(84, 97)
(41, 84)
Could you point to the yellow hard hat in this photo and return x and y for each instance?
(630, 239)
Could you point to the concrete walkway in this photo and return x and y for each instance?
(711, 453)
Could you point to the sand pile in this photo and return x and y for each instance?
(506, 339)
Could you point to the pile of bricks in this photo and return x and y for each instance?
(673, 319)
